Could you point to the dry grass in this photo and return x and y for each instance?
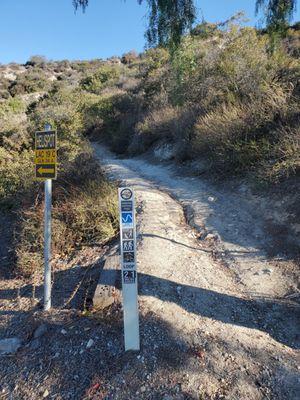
(84, 213)
(156, 125)
(250, 137)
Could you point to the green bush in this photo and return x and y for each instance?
(16, 175)
(12, 105)
(4, 85)
(205, 30)
(33, 80)
(63, 110)
(13, 125)
(106, 75)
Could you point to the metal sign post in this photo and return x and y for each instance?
(129, 272)
(47, 244)
(45, 169)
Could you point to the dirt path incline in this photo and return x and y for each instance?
(217, 340)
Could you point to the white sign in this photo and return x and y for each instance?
(129, 273)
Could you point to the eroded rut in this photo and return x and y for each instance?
(225, 309)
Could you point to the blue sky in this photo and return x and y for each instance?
(108, 27)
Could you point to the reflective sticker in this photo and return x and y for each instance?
(127, 234)
(129, 276)
(128, 245)
(126, 205)
(128, 257)
(127, 218)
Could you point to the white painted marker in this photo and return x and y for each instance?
(129, 272)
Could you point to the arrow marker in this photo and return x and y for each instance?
(42, 170)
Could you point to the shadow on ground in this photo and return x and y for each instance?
(74, 288)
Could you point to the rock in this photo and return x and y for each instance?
(40, 331)
(10, 346)
(63, 331)
(89, 344)
(143, 389)
(267, 271)
(211, 236)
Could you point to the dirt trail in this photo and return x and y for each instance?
(217, 296)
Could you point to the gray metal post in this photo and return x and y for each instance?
(47, 239)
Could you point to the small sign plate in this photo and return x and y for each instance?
(45, 155)
(127, 218)
(129, 277)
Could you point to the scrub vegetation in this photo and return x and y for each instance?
(226, 96)
(84, 202)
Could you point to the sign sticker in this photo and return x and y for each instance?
(126, 194)
(127, 218)
(129, 277)
(45, 171)
(45, 155)
(127, 234)
(129, 266)
(126, 205)
(128, 245)
(128, 257)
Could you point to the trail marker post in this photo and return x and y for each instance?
(45, 169)
(129, 272)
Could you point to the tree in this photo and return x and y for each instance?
(278, 13)
(170, 19)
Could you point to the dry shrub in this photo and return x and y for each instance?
(157, 124)
(238, 137)
(119, 114)
(84, 212)
(129, 83)
(130, 57)
(16, 175)
(285, 156)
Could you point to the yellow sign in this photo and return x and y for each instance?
(45, 155)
